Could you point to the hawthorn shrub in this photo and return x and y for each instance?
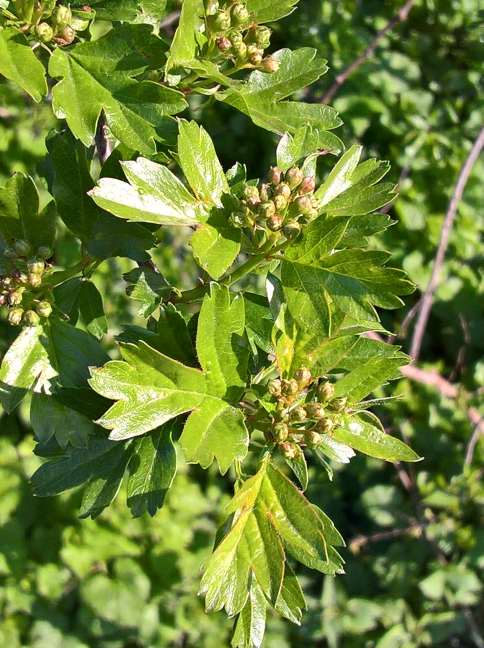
(260, 366)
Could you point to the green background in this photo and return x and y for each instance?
(415, 547)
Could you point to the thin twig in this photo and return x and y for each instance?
(471, 446)
(400, 16)
(170, 20)
(360, 541)
(427, 299)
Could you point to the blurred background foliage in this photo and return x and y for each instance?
(415, 538)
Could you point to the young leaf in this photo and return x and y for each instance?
(154, 195)
(291, 603)
(184, 46)
(92, 310)
(364, 437)
(305, 141)
(152, 468)
(216, 244)
(19, 63)
(200, 164)
(101, 72)
(268, 11)
(251, 622)
(147, 287)
(25, 366)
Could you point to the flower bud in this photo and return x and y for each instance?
(238, 219)
(325, 425)
(35, 266)
(254, 54)
(281, 432)
(262, 37)
(339, 404)
(294, 177)
(312, 438)
(304, 205)
(290, 387)
(267, 209)
(9, 253)
(223, 43)
(265, 192)
(236, 39)
(240, 14)
(15, 316)
(270, 64)
(22, 248)
(30, 318)
(275, 222)
(280, 202)
(298, 414)
(23, 278)
(314, 410)
(275, 387)
(308, 185)
(283, 189)
(44, 32)
(291, 229)
(211, 7)
(44, 252)
(303, 377)
(221, 21)
(68, 34)
(34, 280)
(289, 450)
(15, 297)
(240, 52)
(274, 175)
(43, 308)
(252, 196)
(326, 391)
(62, 16)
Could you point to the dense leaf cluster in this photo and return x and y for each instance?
(256, 380)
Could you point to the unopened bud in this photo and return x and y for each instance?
(314, 410)
(15, 297)
(280, 202)
(267, 209)
(283, 189)
(304, 205)
(254, 54)
(326, 391)
(44, 32)
(30, 318)
(275, 387)
(308, 185)
(292, 229)
(298, 414)
(275, 222)
(67, 35)
(290, 387)
(240, 14)
(264, 192)
(43, 308)
(294, 177)
(251, 194)
(274, 175)
(262, 37)
(270, 64)
(325, 426)
(339, 404)
(35, 266)
(34, 280)
(221, 21)
(236, 39)
(289, 450)
(223, 43)
(281, 432)
(15, 316)
(9, 253)
(303, 377)
(312, 438)
(3, 299)
(240, 52)
(22, 248)
(44, 252)
(211, 7)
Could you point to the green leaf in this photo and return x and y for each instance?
(337, 289)
(260, 98)
(154, 195)
(299, 467)
(148, 287)
(369, 375)
(216, 244)
(251, 622)
(305, 141)
(269, 11)
(184, 46)
(200, 164)
(24, 367)
(19, 212)
(340, 177)
(103, 235)
(220, 347)
(50, 418)
(19, 63)
(291, 603)
(98, 76)
(67, 298)
(152, 468)
(365, 437)
(151, 389)
(92, 310)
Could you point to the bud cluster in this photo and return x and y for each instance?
(306, 409)
(236, 36)
(278, 207)
(61, 24)
(21, 288)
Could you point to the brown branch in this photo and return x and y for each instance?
(427, 298)
(360, 541)
(399, 17)
(471, 446)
